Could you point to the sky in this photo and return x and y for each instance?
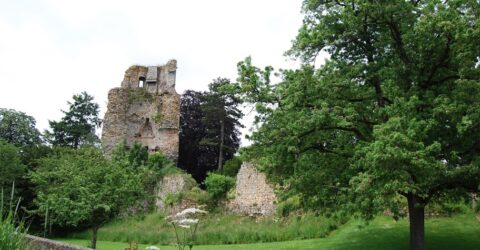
(53, 49)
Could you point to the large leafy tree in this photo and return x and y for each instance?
(209, 133)
(78, 125)
(393, 113)
(82, 187)
(18, 128)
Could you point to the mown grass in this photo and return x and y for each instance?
(457, 232)
(216, 229)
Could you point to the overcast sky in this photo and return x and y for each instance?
(50, 50)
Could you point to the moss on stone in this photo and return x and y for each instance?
(140, 95)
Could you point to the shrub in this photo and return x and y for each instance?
(218, 185)
(289, 205)
(232, 166)
(158, 161)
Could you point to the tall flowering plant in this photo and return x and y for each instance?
(185, 224)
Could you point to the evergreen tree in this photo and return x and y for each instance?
(78, 125)
(192, 130)
(222, 121)
(209, 133)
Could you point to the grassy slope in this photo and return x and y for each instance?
(216, 229)
(458, 232)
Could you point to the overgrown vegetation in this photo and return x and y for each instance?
(82, 187)
(139, 95)
(218, 185)
(12, 229)
(217, 229)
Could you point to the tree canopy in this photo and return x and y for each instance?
(18, 128)
(11, 167)
(209, 133)
(83, 187)
(77, 126)
(394, 112)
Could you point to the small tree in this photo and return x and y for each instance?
(82, 187)
(78, 126)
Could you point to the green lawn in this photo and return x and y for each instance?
(457, 232)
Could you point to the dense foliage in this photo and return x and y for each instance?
(77, 126)
(209, 133)
(218, 185)
(393, 113)
(232, 167)
(18, 128)
(82, 187)
(11, 167)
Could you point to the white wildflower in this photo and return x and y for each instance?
(192, 210)
(152, 248)
(188, 221)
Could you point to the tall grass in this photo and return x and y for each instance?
(216, 229)
(12, 230)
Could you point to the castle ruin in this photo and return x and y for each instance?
(254, 196)
(144, 110)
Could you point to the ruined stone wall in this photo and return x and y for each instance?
(38, 243)
(253, 195)
(145, 110)
(170, 185)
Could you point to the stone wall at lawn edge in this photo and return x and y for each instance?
(38, 243)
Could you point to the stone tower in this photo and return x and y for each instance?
(144, 110)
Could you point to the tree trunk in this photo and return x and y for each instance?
(94, 237)
(416, 214)
(474, 202)
(220, 151)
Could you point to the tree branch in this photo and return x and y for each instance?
(442, 61)
(354, 130)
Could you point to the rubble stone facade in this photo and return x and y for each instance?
(253, 195)
(144, 110)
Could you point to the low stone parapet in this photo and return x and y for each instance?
(38, 243)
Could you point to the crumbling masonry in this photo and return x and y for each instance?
(144, 110)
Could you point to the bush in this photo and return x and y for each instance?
(232, 166)
(158, 161)
(218, 185)
(289, 205)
